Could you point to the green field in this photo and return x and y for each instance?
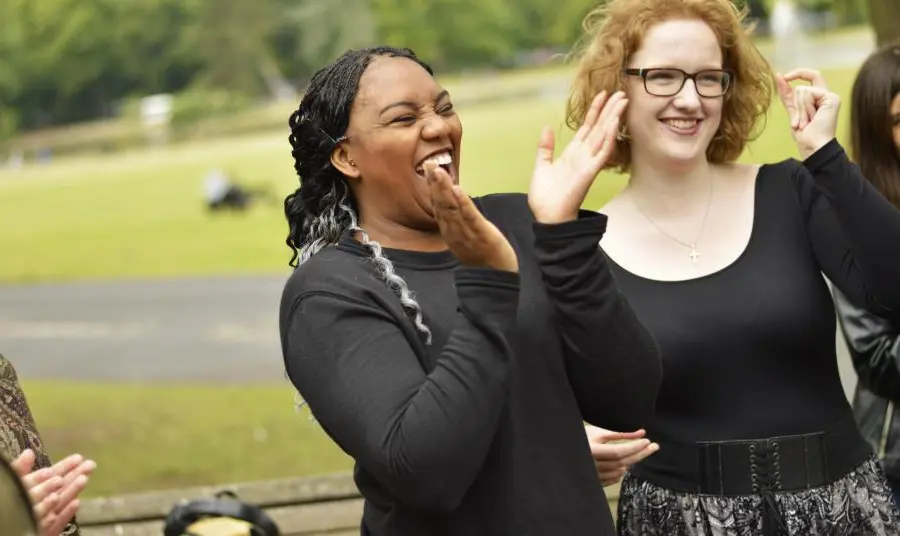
(146, 437)
(140, 214)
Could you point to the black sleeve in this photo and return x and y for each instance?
(422, 436)
(874, 345)
(611, 358)
(853, 229)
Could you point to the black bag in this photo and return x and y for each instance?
(224, 515)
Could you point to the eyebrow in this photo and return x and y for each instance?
(443, 94)
(667, 65)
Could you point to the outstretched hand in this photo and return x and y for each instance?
(558, 187)
(54, 490)
(615, 452)
(813, 109)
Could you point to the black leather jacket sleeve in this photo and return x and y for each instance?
(874, 345)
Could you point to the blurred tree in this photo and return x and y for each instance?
(885, 18)
(309, 33)
(406, 23)
(849, 12)
(541, 24)
(63, 61)
(73, 60)
(153, 51)
(230, 40)
(450, 34)
(473, 33)
(10, 79)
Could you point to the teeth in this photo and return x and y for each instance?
(441, 159)
(682, 123)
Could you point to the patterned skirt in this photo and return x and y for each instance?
(859, 504)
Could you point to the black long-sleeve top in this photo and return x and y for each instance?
(749, 351)
(481, 431)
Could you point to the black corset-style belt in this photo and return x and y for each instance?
(746, 466)
(760, 467)
(750, 467)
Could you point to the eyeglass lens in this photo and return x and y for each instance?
(668, 82)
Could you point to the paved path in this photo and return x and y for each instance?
(218, 329)
(215, 329)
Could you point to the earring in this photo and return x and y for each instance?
(622, 133)
(352, 163)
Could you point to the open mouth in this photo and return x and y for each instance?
(686, 127)
(443, 159)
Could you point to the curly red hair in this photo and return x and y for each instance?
(614, 31)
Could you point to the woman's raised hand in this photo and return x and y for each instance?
(559, 186)
(813, 109)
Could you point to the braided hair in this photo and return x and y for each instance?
(323, 208)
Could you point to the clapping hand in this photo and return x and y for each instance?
(470, 236)
(558, 187)
(813, 109)
(54, 490)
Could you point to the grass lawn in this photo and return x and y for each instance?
(147, 437)
(140, 214)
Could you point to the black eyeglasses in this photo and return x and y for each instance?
(667, 82)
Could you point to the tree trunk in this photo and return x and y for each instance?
(885, 17)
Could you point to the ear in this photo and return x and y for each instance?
(340, 159)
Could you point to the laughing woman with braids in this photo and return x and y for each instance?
(452, 346)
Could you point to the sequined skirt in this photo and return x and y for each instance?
(859, 504)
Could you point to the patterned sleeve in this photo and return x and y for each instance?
(17, 429)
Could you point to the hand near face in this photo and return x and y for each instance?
(54, 490)
(813, 109)
(470, 236)
(558, 187)
(614, 452)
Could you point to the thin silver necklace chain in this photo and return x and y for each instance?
(691, 245)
